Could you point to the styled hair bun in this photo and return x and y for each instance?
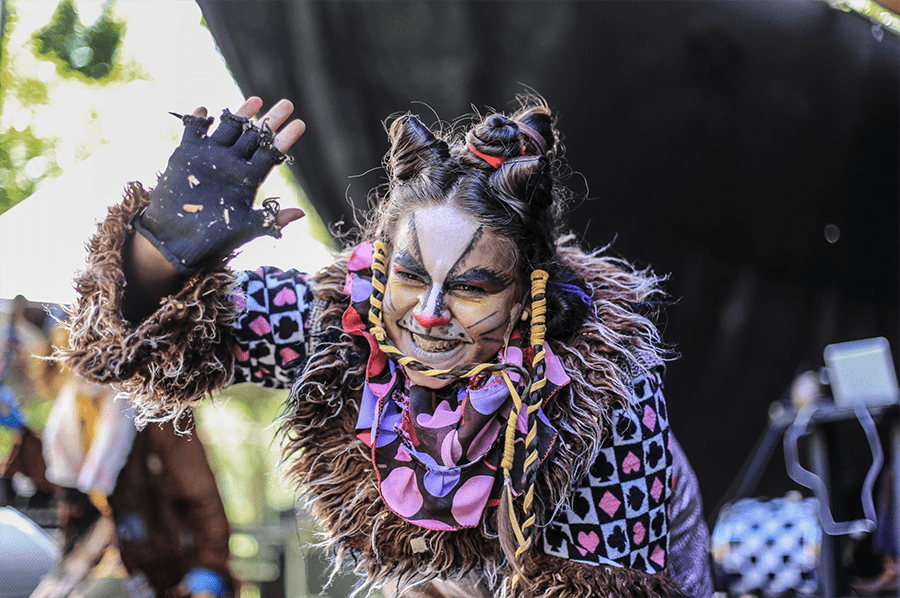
(413, 149)
(495, 139)
(504, 170)
(525, 185)
(538, 131)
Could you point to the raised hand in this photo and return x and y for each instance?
(202, 206)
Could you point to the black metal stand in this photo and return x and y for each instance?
(780, 419)
(825, 413)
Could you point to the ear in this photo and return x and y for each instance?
(526, 313)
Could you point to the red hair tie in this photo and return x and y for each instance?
(494, 161)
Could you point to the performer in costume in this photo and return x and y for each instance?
(476, 403)
(150, 494)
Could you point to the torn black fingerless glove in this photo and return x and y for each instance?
(202, 206)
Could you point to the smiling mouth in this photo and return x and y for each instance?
(434, 345)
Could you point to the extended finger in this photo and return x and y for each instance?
(249, 108)
(231, 125)
(289, 135)
(196, 126)
(267, 156)
(276, 115)
(287, 215)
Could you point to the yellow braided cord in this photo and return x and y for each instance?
(538, 324)
(509, 442)
(538, 330)
(539, 380)
(506, 465)
(529, 497)
(512, 586)
(379, 275)
(524, 543)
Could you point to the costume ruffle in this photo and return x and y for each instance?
(182, 352)
(437, 453)
(334, 468)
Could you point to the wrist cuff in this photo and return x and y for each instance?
(171, 360)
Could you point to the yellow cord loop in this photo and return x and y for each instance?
(379, 276)
(538, 324)
(509, 440)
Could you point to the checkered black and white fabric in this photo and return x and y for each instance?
(768, 547)
(271, 326)
(618, 514)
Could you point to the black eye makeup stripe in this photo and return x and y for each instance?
(472, 242)
(415, 236)
(405, 260)
(486, 276)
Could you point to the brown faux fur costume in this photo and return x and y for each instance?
(183, 352)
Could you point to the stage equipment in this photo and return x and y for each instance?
(781, 546)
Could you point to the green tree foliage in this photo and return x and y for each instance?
(90, 50)
(78, 57)
(18, 144)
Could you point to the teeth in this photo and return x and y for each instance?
(433, 346)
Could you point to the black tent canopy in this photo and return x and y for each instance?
(747, 149)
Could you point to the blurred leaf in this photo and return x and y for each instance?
(36, 74)
(18, 149)
(89, 51)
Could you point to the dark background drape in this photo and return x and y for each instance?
(713, 141)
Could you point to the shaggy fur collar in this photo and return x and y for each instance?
(183, 352)
(169, 361)
(334, 468)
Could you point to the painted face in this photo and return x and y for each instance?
(451, 296)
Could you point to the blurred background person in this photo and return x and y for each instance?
(139, 511)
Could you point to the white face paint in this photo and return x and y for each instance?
(452, 296)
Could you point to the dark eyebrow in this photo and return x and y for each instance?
(472, 242)
(484, 276)
(403, 258)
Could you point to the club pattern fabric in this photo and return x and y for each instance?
(617, 515)
(273, 307)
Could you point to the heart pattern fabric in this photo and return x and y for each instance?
(618, 514)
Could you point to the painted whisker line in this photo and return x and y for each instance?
(487, 317)
(500, 326)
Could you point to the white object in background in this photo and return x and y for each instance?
(861, 373)
(26, 554)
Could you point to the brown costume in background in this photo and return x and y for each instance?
(165, 494)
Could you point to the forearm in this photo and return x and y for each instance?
(149, 277)
(689, 536)
(171, 356)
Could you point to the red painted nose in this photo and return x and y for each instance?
(431, 321)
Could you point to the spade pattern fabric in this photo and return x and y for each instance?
(273, 307)
(617, 515)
